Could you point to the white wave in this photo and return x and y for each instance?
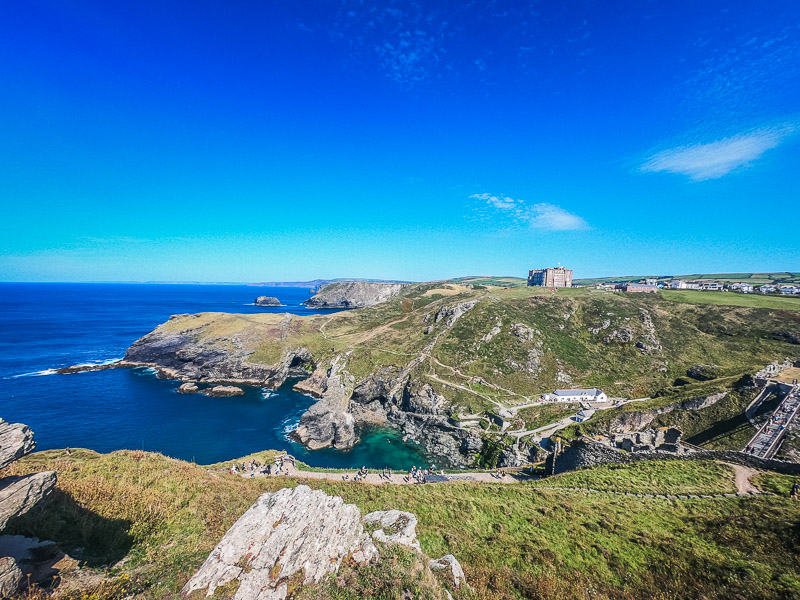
(35, 373)
(99, 363)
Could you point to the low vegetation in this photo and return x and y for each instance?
(163, 516)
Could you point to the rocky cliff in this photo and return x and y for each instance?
(354, 294)
(18, 494)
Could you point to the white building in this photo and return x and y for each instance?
(590, 395)
(677, 284)
(584, 415)
(713, 287)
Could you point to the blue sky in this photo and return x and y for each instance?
(252, 141)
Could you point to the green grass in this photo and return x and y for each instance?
(732, 299)
(651, 477)
(514, 541)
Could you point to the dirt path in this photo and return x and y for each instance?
(742, 479)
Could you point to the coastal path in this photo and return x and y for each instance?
(742, 475)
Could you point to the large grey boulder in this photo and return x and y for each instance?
(19, 494)
(10, 577)
(401, 527)
(16, 440)
(282, 534)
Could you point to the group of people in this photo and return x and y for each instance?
(253, 467)
(415, 475)
(420, 475)
(500, 473)
(361, 474)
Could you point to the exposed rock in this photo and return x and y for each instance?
(637, 420)
(523, 332)
(11, 577)
(449, 562)
(16, 440)
(493, 331)
(401, 527)
(354, 294)
(622, 335)
(704, 372)
(451, 312)
(649, 342)
(284, 533)
(595, 330)
(328, 422)
(188, 388)
(18, 494)
(315, 385)
(267, 301)
(773, 369)
(223, 391)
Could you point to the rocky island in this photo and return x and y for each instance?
(267, 301)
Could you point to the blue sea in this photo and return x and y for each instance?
(47, 326)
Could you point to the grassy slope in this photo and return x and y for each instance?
(732, 299)
(513, 541)
(391, 334)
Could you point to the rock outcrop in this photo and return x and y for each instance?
(328, 422)
(354, 294)
(188, 388)
(401, 527)
(637, 420)
(16, 440)
(298, 536)
(18, 494)
(267, 301)
(223, 391)
(285, 533)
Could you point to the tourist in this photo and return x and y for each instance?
(795, 491)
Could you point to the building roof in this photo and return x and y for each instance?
(590, 392)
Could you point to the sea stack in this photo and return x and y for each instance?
(267, 301)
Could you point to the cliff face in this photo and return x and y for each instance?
(354, 294)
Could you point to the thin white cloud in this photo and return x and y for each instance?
(555, 218)
(516, 212)
(715, 159)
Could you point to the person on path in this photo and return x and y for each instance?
(795, 491)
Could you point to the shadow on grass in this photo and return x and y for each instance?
(83, 534)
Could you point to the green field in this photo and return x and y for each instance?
(164, 516)
(732, 299)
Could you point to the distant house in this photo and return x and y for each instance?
(677, 284)
(584, 415)
(766, 289)
(789, 289)
(590, 395)
(651, 282)
(637, 287)
(712, 287)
